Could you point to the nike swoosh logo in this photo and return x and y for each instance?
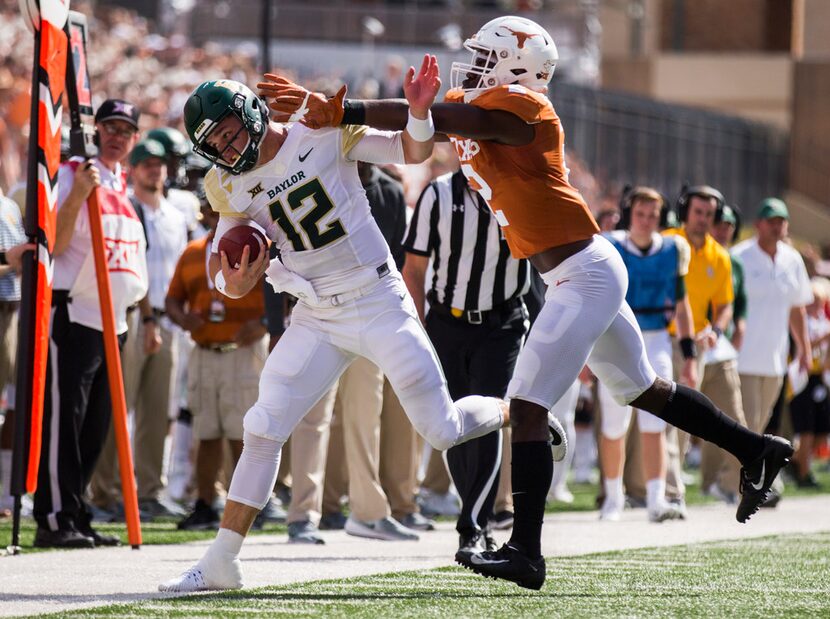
(760, 481)
(561, 281)
(479, 560)
(303, 157)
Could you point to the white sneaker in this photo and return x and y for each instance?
(209, 574)
(665, 511)
(561, 494)
(387, 529)
(559, 440)
(610, 512)
(435, 504)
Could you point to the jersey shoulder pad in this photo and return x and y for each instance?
(530, 106)
(454, 95)
(218, 190)
(350, 135)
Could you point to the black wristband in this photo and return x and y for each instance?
(3, 260)
(717, 330)
(354, 113)
(688, 348)
(149, 318)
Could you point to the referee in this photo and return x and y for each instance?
(476, 321)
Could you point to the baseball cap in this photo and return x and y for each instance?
(728, 215)
(146, 149)
(118, 109)
(773, 207)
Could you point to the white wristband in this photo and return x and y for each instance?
(219, 282)
(420, 130)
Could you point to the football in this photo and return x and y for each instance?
(235, 240)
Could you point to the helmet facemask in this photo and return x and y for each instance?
(484, 61)
(253, 120)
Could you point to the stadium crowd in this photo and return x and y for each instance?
(752, 329)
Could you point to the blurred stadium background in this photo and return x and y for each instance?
(733, 94)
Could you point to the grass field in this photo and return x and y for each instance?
(768, 577)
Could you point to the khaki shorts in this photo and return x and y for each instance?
(221, 387)
(8, 346)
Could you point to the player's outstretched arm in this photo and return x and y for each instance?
(420, 89)
(291, 102)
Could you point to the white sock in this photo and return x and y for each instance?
(5, 473)
(655, 492)
(614, 492)
(227, 542)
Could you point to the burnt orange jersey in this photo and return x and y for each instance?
(526, 186)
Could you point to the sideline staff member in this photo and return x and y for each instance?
(77, 406)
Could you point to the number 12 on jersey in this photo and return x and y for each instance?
(309, 235)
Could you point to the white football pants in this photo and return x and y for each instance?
(585, 319)
(616, 416)
(319, 344)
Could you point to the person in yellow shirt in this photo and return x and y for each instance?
(709, 286)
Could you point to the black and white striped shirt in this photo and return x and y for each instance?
(472, 266)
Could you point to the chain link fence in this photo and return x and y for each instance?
(629, 139)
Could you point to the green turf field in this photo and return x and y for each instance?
(768, 577)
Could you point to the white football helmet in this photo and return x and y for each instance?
(507, 50)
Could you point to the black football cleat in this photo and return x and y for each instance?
(469, 544)
(757, 477)
(507, 563)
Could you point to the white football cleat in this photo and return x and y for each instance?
(558, 438)
(206, 575)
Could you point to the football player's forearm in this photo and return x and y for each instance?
(415, 151)
(388, 114)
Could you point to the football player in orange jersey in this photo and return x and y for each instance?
(511, 145)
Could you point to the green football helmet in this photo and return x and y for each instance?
(209, 104)
(174, 142)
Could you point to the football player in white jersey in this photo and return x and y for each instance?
(302, 187)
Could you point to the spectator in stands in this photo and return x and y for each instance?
(77, 406)
(778, 291)
(224, 368)
(391, 84)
